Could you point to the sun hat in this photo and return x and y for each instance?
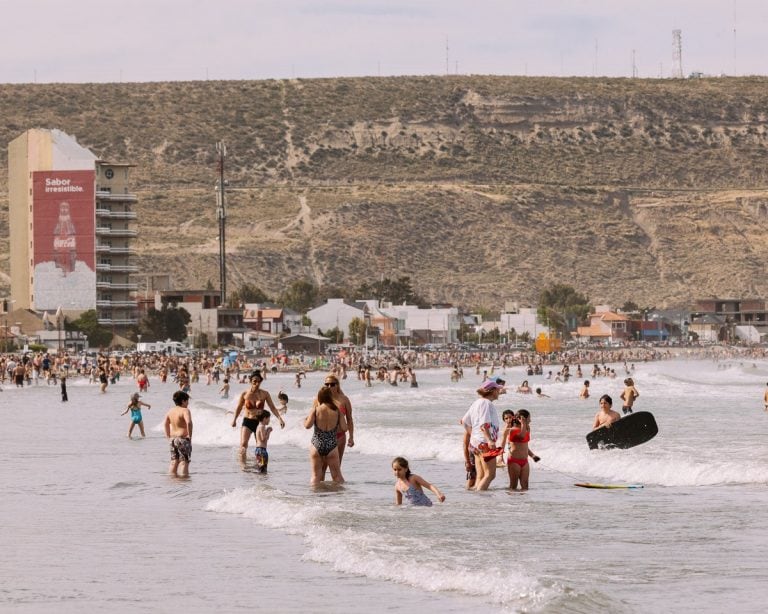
(490, 384)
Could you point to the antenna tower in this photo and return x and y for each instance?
(677, 54)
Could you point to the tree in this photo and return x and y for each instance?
(88, 324)
(176, 320)
(247, 293)
(335, 334)
(630, 307)
(357, 331)
(166, 323)
(300, 296)
(396, 292)
(561, 307)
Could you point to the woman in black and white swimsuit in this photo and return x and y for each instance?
(326, 418)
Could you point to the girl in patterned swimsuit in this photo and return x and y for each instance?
(410, 485)
(326, 418)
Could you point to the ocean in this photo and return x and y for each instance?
(90, 521)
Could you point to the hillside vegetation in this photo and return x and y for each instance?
(479, 188)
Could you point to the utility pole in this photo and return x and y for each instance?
(677, 54)
(221, 215)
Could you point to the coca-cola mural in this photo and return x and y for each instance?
(64, 239)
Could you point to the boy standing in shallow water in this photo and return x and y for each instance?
(628, 395)
(263, 431)
(178, 429)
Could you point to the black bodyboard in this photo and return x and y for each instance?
(627, 432)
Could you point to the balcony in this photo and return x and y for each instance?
(117, 321)
(109, 196)
(117, 251)
(115, 232)
(117, 268)
(116, 215)
(108, 285)
(111, 304)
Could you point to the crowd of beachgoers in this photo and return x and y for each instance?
(213, 365)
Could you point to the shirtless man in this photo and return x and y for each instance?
(252, 402)
(606, 416)
(178, 428)
(628, 395)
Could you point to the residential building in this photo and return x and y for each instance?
(336, 313)
(72, 227)
(605, 326)
(210, 323)
(382, 327)
(432, 326)
(746, 319)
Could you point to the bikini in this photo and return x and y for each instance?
(251, 423)
(515, 437)
(324, 441)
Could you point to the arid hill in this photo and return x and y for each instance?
(480, 188)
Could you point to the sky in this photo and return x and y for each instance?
(81, 41)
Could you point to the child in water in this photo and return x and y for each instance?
(283, 407)
(224, 392)
(517, 434)
(135, 408)
(263, 431)
(411, 485)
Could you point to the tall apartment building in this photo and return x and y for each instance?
(71, 223)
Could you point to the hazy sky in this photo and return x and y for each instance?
(161, 40)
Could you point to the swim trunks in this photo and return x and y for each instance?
(181, 449)
(251, 424)
(472, 471)
(626, 409)
(262, 460)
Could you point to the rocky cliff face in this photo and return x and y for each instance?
(481, 189)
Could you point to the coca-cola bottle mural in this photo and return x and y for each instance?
(64, 241)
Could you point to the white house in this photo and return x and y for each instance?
(336, 313)
(524, 321)
(437, 325)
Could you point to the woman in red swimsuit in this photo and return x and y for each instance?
(517, 462)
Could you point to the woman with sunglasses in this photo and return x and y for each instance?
(326, 419)
(345, 407)
(252, 403)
